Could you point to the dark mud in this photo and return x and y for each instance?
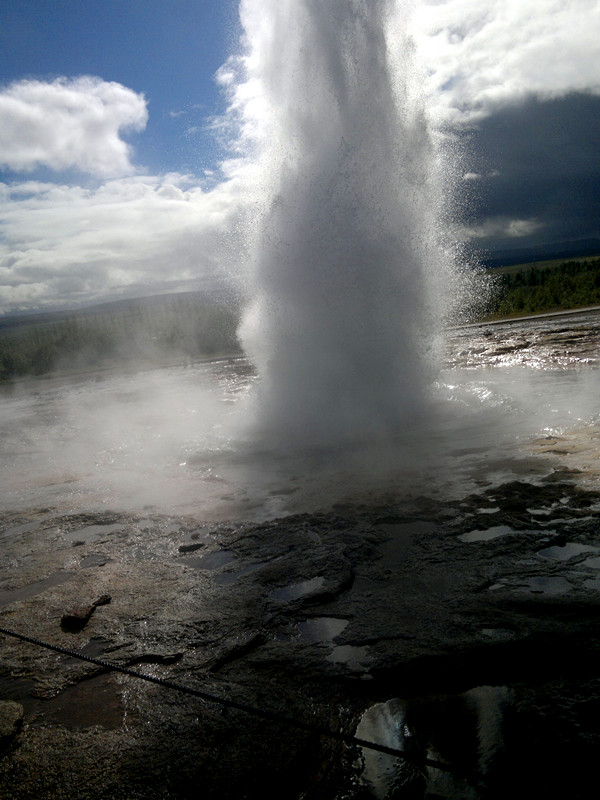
(466, 632)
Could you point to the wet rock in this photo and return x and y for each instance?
(11, 720)
(77, 618)
(242, 645)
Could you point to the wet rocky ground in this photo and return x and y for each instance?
(464, 631)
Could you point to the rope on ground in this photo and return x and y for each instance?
(271, 716)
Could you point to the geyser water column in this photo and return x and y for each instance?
(344, 235)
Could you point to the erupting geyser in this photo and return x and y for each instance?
(345, 240)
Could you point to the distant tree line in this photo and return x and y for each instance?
(572, 284)
(181, 328)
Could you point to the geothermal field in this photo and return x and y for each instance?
(362, 560)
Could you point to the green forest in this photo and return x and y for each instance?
(546, 286)
(171, 329)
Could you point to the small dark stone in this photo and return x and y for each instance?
(77, 618)
(189, 548)
(103, 600)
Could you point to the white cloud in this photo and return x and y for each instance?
(61, 245)
(69, 123)
(502, 227)
(482, 55)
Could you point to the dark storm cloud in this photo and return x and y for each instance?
(537, 163)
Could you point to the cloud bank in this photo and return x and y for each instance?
(484, 55)
(518, 80)
(69, 123)
(128, 236)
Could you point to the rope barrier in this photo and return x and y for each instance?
(271, 716)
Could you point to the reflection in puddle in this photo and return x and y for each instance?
(566, 551)
(484, 536)
(356, 658)
(464, 731)
(385, 724)
(550, 585)
(593, 563)
(492, 533)
(297, 590)
(321, 629)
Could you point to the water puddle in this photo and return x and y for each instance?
(493, 533)
(26, 527)
(549, 585)
(92, 533)
(8, 596)
(18, 690)
(321, 629)
(229, 578)
(95, 560)
(486, 535)
(592, 563)
(210, 561)
(356, 658)
(566, 551)
(166, 527)
(94, 702)
(296, 591)
(403, 533)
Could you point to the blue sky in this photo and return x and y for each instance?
(168, 50)
(113, 183)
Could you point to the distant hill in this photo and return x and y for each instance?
(147, 331)
(543, 252)
(18, 319)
